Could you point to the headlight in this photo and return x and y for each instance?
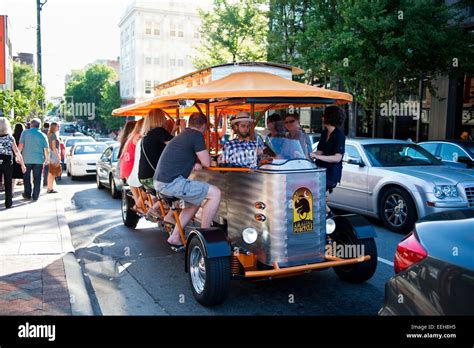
(249, 235)
(330, 226)
(443, 191)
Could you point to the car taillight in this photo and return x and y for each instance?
(409, 252)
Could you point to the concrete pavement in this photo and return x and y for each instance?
(39, 274)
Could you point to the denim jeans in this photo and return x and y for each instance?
(37, 169)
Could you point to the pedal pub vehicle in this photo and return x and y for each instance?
(271, 220)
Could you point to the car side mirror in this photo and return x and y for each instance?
(356, 161)
(465, 160)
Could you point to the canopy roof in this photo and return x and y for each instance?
(238, 91)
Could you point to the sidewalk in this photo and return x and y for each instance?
(39, 274)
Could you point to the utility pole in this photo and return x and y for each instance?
(39, 7)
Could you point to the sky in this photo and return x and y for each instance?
(74, 33)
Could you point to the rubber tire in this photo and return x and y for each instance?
(217, 284)
(363, 271)
(411, 210)
(113, 189)
(100, 186)
(130, 218)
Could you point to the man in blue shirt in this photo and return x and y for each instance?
(241, 152)
(34, 147)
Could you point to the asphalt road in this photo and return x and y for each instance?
(133, 272)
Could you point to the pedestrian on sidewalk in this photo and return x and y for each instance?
(7, 149)
(34, 146)
(17, 171)
(54, 167)
(45, 130)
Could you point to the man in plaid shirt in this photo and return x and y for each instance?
(241, 152)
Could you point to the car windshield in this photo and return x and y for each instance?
(115, 154)
(71, 142)
(88, 149)
(283, 148)
(398, 155)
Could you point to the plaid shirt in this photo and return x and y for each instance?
(237, 153)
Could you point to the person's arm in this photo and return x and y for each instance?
(339, 151)
(46, 155)
(329, 159)
(204, 158)
(18, 156)
(55, 150)
(22, 140)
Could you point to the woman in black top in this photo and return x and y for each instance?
(155, 138)
(7, 149)
(331, 148)
(17, 172)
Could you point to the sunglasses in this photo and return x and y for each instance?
(288, 122)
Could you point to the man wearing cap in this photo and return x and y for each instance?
(241, 152)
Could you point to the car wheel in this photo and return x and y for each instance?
(209, 278)
(113, 188)
(357, 272)
(100, 186)
(129, 217)
(397, 210)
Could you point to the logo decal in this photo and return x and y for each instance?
(302, 211)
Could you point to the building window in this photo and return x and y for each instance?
(180, 30)
(147, 87)
(196, 34)
(156, 83)
(173, 30)
(173, 62)
(156, 61)
(148, 28)
(180, 62)
(147, 60)
(156, 29)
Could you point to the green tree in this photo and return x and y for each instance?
(27, 100)
(233, 31)
(95, 86)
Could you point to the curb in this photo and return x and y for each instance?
(79, 297)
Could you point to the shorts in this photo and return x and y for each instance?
(190, 191)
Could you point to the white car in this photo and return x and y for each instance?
(83, 159)
(70, 141)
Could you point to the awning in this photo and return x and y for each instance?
(263, 89)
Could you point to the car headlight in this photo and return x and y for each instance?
(249, 235)
(445, 191)
(330, 226)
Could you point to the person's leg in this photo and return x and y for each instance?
(46, 176)
(136, 197)
(209, 209)
(37, 169)
(50, 182)
(7, 176)
(184, 217)
(27, 181)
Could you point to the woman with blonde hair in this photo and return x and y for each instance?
(127, 161)
(7, 149)
(54, 166)
(155, 138)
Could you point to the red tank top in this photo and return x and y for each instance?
(127, 159)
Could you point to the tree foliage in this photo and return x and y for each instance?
(28, 98)
(95, 87)
(378, 48)
(233, 31)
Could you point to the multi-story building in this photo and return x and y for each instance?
(25, 58)
(114, 64)
(157, 42)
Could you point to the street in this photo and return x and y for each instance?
(133, 272)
